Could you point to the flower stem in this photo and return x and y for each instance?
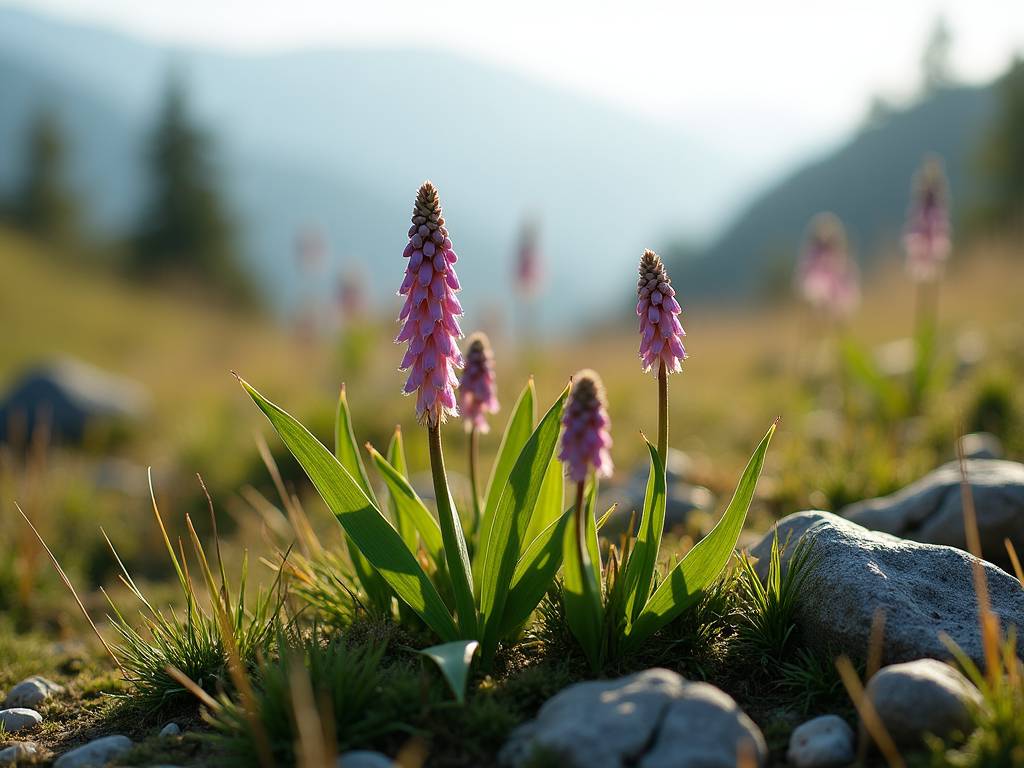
(473, 448)
(663, 413)
(455, 553)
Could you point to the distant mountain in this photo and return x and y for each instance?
(866, 182)
(342, 138)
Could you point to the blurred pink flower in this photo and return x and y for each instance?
(477, 389)
(661, 335)
(926, 238)
(827, 276)
(528, 267)
(586, 439)
(430, 312)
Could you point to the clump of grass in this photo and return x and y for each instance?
(811, 683)
(767, 616)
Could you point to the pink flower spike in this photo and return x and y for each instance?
(657, 309)
(586, 439)
(827, 275)
(429, 316)
(477, 389)
(926, 238)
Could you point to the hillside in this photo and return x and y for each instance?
(342, 138)
(866, 181)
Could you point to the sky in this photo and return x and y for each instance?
(725, 69)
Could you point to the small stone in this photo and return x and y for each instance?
(18, 751)
(31, 692)
(364, 758)
(96, 753)
(923, 696)
(981, 445)
(171, 729)
(652, 719)
(824, 742)
(19, 719)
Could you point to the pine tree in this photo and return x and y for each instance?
(1003, 153)
(44, 204)
(185, 229)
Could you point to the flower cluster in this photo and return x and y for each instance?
(661, 335)
(927, 235)
(827, 276)
(477, 389)
(586, 439)
(430, 312)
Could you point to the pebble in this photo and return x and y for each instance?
(96, 753)
(171, 729)
(18, 751)
(31, 692)
(19, 719)
(824, 742)
(363, 758)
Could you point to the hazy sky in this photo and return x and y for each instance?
(724, 68)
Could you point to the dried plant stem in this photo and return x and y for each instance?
(868, 715)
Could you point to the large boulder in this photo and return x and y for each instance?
(652, 719)
(924, 590)
(931, 509)
(923, 697)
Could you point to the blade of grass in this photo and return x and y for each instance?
(639, 568)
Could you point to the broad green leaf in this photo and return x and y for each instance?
(347, 453)
(638, 570)
(550, 502)
(517, 432)
(705, 562)
(409, 507)
(511, 519)
(535, 571)
(858, 364)
(369, 530)
(404, 523)
(454, 660)
(581, 583)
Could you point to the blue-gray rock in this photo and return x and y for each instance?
(18, 719)
(95, 754)
(363, 758)
(652, 719)
(922, 697)
(21, 750)
(31, 692)
(931, 509)
(824, 742)
(924, 590)
(981, 445)
(171, 729)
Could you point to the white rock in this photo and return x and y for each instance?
(924, 590)
(653, 719)
(364, 758)
(171, 729)
(31, 692)
(824, 742)
(94, 754)
(19, 719)
(19, 751)
(923, 696)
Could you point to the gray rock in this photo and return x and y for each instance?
(981, 445)
(171, 729)
(824, 742)
(18, 719)
(31, 692)
(94, 754)
(931, 509)
(923, 696)
(923, 590)
(19, 751)
(652, 719)
(364, 758)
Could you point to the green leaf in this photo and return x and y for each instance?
(705, 562)
(511, 519)
(581, 583)
(638, 570)
(858, 364)
(517, 432)
(403, 522)
(550, 502)
(409, 507)
(454, 660)
(535, 571)
(369, 530)
(347, 453)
